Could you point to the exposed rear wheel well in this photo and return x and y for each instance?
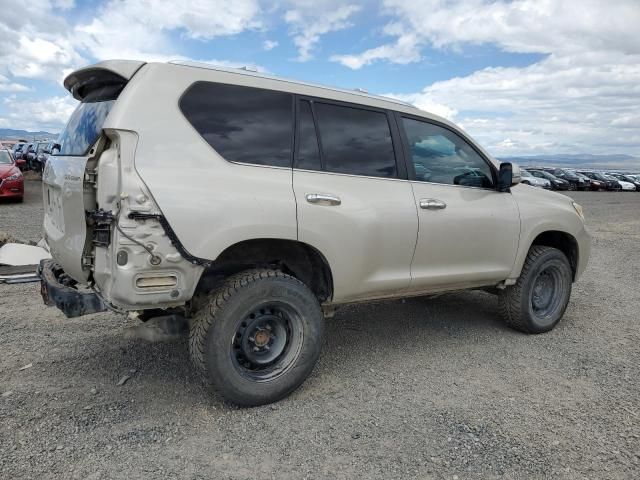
(563, 242)
(295, 258)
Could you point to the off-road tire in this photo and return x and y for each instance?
(214, 330)
(517, 301)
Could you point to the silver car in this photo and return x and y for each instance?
(529, 179)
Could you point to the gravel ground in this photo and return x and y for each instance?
(422, 388)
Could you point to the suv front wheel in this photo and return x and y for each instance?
(537, 301)
(258, 337)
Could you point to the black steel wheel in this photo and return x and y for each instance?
(258, 338)
(267, 342)
(538, 300)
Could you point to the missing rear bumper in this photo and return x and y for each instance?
(56, 290)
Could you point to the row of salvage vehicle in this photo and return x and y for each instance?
(552, 178)
(33, 155)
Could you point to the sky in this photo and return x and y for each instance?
(523, 77)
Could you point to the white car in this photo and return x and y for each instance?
(529, 179)
(626, 186)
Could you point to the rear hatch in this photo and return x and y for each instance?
(68, 179)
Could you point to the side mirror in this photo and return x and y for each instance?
(508, 176)
(516, 174)
(505, 177)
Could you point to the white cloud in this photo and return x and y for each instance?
(35, 41)
(269, 45)
(583, 96)
(39, 115)
(404, 50)
(559, 104)
(137, 29)
(309, 20)
(64, 4)
(7, 86)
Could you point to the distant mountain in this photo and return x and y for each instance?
(10, 134)
(578, 160)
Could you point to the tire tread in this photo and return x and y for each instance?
(511, 297)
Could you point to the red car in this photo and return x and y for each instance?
(11, 180)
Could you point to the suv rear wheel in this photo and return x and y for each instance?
(537, 301)
(258, 337)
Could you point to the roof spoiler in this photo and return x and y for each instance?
(110, 72)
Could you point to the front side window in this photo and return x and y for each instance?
(441, 156)
(355, 141)
(243, 124)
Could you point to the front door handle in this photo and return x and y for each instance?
(323, 199)
(432, 204)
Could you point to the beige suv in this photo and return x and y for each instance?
(251, 206)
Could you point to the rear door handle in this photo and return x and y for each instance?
(432, 204)
(323, 199)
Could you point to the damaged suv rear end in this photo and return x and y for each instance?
(111, 246)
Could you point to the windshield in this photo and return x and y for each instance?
(565, 173)
(546, 175)
(5, 158)
(524, 173)
(85, 125)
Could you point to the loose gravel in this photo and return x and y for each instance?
(421, 388)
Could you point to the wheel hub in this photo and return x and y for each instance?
(261, 339)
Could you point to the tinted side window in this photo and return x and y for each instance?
(441, 156)
(242, 124)
(308, 151)
(355, 141)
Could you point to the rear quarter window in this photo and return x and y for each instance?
(243, 124)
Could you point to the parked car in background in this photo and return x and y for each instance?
(529, 179)
(556, 183)
(29, 154)
(575, 182)
(609, 184)
(18, 148)
(594, 185)
(624, 186)
(11, 180)
(17, 156)
(586, 180)
(627, 178)
(43, 150)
